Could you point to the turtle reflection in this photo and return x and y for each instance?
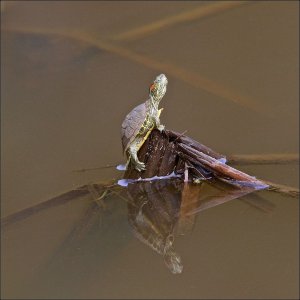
(160, 210)
(153, 212)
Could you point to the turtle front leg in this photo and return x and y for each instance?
(132, 151)
(159, 126)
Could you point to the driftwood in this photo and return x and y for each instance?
(168, 152)
(162, 156)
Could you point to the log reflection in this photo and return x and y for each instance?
(161, 210)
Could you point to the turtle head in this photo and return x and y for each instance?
(158, 87)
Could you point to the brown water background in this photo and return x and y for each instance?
(71, 71)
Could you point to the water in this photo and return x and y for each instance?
(68, 80)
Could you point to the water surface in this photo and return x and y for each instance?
(67, 83)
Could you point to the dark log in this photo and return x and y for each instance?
(166, 152)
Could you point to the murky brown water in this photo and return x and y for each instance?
(70, 75)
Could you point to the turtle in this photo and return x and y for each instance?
(139, 123)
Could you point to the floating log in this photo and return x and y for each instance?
(166, 152)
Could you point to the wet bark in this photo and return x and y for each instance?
(166, 152)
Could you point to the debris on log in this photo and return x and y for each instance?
(169, 152)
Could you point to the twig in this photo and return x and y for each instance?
(95, 168)
(180, 135)
(263, 159)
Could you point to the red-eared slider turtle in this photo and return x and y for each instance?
(139, 123)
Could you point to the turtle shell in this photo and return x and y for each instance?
(132, 124)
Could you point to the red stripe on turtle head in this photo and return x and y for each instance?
(152, 87)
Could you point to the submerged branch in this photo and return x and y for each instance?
(192, 78)
(58, 200)
(196, 13)
(282, 189)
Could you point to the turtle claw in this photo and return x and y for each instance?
(140, 166)
(161, 128)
